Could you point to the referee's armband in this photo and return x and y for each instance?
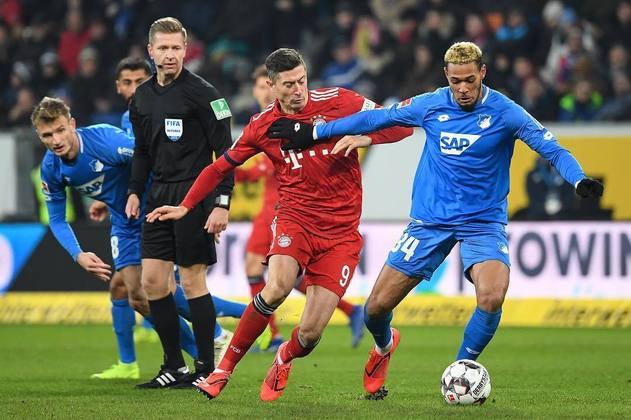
(223, 201)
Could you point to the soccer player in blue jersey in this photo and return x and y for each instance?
(96, 160)
(459, 194)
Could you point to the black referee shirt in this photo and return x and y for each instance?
(177, 128)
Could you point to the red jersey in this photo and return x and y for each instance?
(321, 191)
(263, 169)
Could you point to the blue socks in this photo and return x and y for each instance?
(228, 308)
(478, 333)
(124, 319)
(379, 327)
(181, 303)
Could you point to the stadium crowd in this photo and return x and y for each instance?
(561, 60)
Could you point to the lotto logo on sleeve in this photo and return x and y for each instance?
(220, 108)
(173, 128)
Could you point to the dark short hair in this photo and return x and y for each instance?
(283, 59)
(132, 63)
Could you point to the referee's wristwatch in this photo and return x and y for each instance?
(223, 201)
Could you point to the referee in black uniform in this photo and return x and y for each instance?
(179, 120)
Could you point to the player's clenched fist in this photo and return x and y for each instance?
(167, 213)
(298, 134)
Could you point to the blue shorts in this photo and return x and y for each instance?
(125, 243)
(421, 248)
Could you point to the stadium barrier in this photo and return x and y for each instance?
(94, 308)
(563, 274)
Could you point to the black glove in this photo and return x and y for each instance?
(589, 187)
(298, 134)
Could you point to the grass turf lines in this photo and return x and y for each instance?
(555, 373)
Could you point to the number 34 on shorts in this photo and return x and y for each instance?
(407, 245)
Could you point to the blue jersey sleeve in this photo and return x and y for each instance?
(126, 124)
(542, 141)
(114, 146)
(55, 195)
(409, 113)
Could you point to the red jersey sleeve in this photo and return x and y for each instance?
(262, 169)
(242, 149)
(353, 102)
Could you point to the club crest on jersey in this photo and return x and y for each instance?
(318, 119)
(284, 241)
(173, 128)
(96, 165)
(456, 143)
(484, 121)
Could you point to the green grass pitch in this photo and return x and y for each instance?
(535, 373)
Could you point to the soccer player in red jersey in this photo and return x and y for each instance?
(315, 229)
(261, 235)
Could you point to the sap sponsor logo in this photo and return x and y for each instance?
(173, 128)
(443, 117)
(92, 188)
(96, 165)
(456, 143)
(484, 121)
(125, 151)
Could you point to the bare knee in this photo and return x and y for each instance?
(274, 293)
(378, 304)
(117, 288)
(309, 336)
(491, 301)
(254, 265)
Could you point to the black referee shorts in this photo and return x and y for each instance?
(185, 242)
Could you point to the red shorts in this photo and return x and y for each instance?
(329, 263)
(261, 235)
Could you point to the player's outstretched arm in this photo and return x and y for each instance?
(165, 213)
(93, 264)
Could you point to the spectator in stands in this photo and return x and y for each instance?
(549, 196)
(72, 41)
(515, 37)
(581, 104)
(617, 108)
(86, 87)
(346, 69)
(538, 100)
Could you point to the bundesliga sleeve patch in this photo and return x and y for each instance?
(404, 103)
(220, 108)
(368, 105)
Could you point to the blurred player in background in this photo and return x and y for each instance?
(459, 195)
(96, 161)
(261, 236)
(315, 228)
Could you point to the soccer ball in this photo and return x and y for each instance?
(465, 382)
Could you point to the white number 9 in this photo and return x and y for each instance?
(346, 272)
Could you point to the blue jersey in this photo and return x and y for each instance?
(101, 171)
(126, 124)
(463, 174)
